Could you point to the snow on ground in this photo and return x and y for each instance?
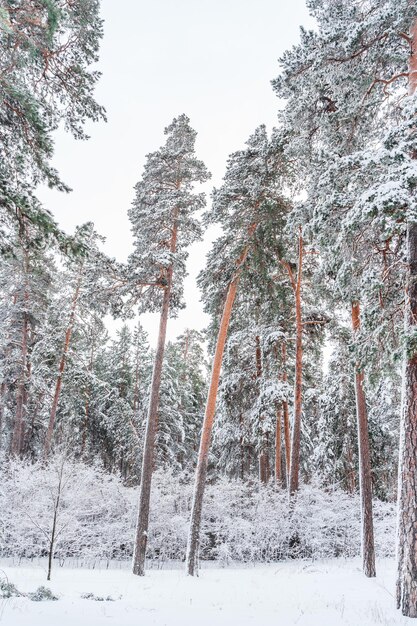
(321, 593)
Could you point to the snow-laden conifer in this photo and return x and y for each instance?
(164, 224)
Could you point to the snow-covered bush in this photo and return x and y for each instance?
(93, 510)
(243, 521)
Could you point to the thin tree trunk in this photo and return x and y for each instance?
(296, 432)
(136, 388)
(151, 426)
(3, 388)
(278, 455)
(278, 433)
(58, 384)
(349, 470)
(54, 525)
(242, 448)
(365, 474)
(29, 434)
(263, 461)
(407, 474)
(87, 401)
(286, 416)
(17, 437)
(201, 471)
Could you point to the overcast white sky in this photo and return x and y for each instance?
(210, 59)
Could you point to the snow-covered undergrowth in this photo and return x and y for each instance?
(323, 593)
(243, 522)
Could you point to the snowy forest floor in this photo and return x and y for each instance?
(325, 593)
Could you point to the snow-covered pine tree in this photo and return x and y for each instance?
(245, 205)
(164, 225)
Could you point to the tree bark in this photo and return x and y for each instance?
(350, 470)
(263, 461)
(58, 384)
(152, 424)
(296, 432)
(286, 417)
(87, 401)
(17, 437)
(365, 474)
(201, 471)
(3, 388)
(407, 473)
(278, 455)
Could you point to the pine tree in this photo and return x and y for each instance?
(164, 225)
(245, 204)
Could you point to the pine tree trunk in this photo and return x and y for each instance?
(151, 426)
(263, 461)
(17, 437)
(365, 474)
(278, 455)
(87, 402)
(242, 448)
(349, 470)
(278, 434)
(407, 474)
(3, 388)
(201, 471)
(296, 433)
(286, 417)
(58, 384)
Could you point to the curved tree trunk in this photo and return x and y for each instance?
(365, 474)
(407, 475)
(201, 471)
(151, 427)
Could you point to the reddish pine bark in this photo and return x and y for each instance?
(58, 384)
(201, 472)
(152, 424)
(365, 482)
(407, 483)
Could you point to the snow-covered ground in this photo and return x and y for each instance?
(325, 593)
